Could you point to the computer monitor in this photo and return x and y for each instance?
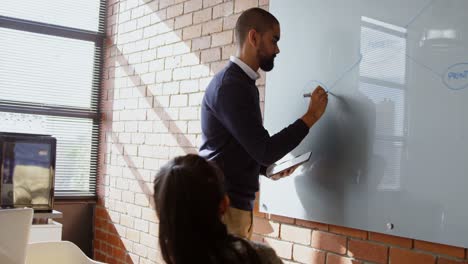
(27, 171)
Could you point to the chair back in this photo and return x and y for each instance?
(63, 252)
(15, 226)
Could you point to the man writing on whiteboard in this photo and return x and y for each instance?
(232, 129)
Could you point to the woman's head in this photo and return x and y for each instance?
(188, 192)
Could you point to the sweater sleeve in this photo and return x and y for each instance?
(238, 109)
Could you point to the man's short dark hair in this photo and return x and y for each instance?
(254, 18)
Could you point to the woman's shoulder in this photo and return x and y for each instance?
(266, 254)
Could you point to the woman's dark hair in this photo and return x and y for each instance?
(187, 193)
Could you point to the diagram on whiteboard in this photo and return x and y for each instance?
(454, 76)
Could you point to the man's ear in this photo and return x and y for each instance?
(253, 37)
(224, 205)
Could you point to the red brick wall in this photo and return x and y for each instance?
(299, 241)
(159, 57)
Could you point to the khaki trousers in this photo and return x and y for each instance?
(239, 222)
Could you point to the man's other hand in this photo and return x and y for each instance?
(284, 173)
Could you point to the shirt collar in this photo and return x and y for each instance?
(246, 68)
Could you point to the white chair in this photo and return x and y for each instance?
(15, 225)
(57, 252)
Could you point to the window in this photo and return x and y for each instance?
(50, 71)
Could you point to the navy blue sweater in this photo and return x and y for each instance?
(234, 137)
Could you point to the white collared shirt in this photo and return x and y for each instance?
(246, 68)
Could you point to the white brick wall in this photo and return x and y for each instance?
(160, 57)
(174, 11)
(212, 26)
(223, 10)
(192, 5)
(222, 38)
(211, 55)
(191, 32)
(202, 15)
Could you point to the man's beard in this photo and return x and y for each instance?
(266, 62)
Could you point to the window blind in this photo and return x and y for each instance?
(50, 69)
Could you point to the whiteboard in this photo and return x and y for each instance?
(390, 154)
